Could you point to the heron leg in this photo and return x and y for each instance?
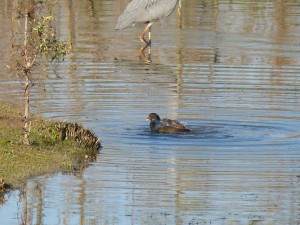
(142, 36)
(149, 40)
(145, 57)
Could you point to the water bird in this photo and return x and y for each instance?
(145, 11)
(166, 125)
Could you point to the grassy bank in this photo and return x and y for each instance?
(56, 146)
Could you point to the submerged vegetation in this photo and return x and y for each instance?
(56, 146)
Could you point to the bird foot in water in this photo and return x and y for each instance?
(146, 57)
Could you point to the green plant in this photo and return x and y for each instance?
(37, 39)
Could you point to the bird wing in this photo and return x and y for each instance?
(130, 14)
(145, 11)
(171, 130)
(167, 129)
(174, 123)
(158, 9)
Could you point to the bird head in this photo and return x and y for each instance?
(153, 117)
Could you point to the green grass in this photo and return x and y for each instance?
(56, 146)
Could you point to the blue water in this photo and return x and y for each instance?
(231, 74)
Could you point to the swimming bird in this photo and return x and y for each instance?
(145, 11)
(166, 125)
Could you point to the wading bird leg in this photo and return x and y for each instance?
(149, 40)
(149, 49)
(146, 59)
(142, 37)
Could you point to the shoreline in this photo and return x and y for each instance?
(55, 146)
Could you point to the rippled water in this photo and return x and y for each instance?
(230, 73)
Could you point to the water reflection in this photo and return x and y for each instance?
(146, 57)
(230, 73)
(147, 12)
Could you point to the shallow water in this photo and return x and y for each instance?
(231, 74)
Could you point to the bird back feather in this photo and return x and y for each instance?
(143, 11)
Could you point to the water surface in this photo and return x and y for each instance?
(228, 70)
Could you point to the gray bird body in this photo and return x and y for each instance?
(145, 11)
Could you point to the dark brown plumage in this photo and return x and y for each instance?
(166, 125)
